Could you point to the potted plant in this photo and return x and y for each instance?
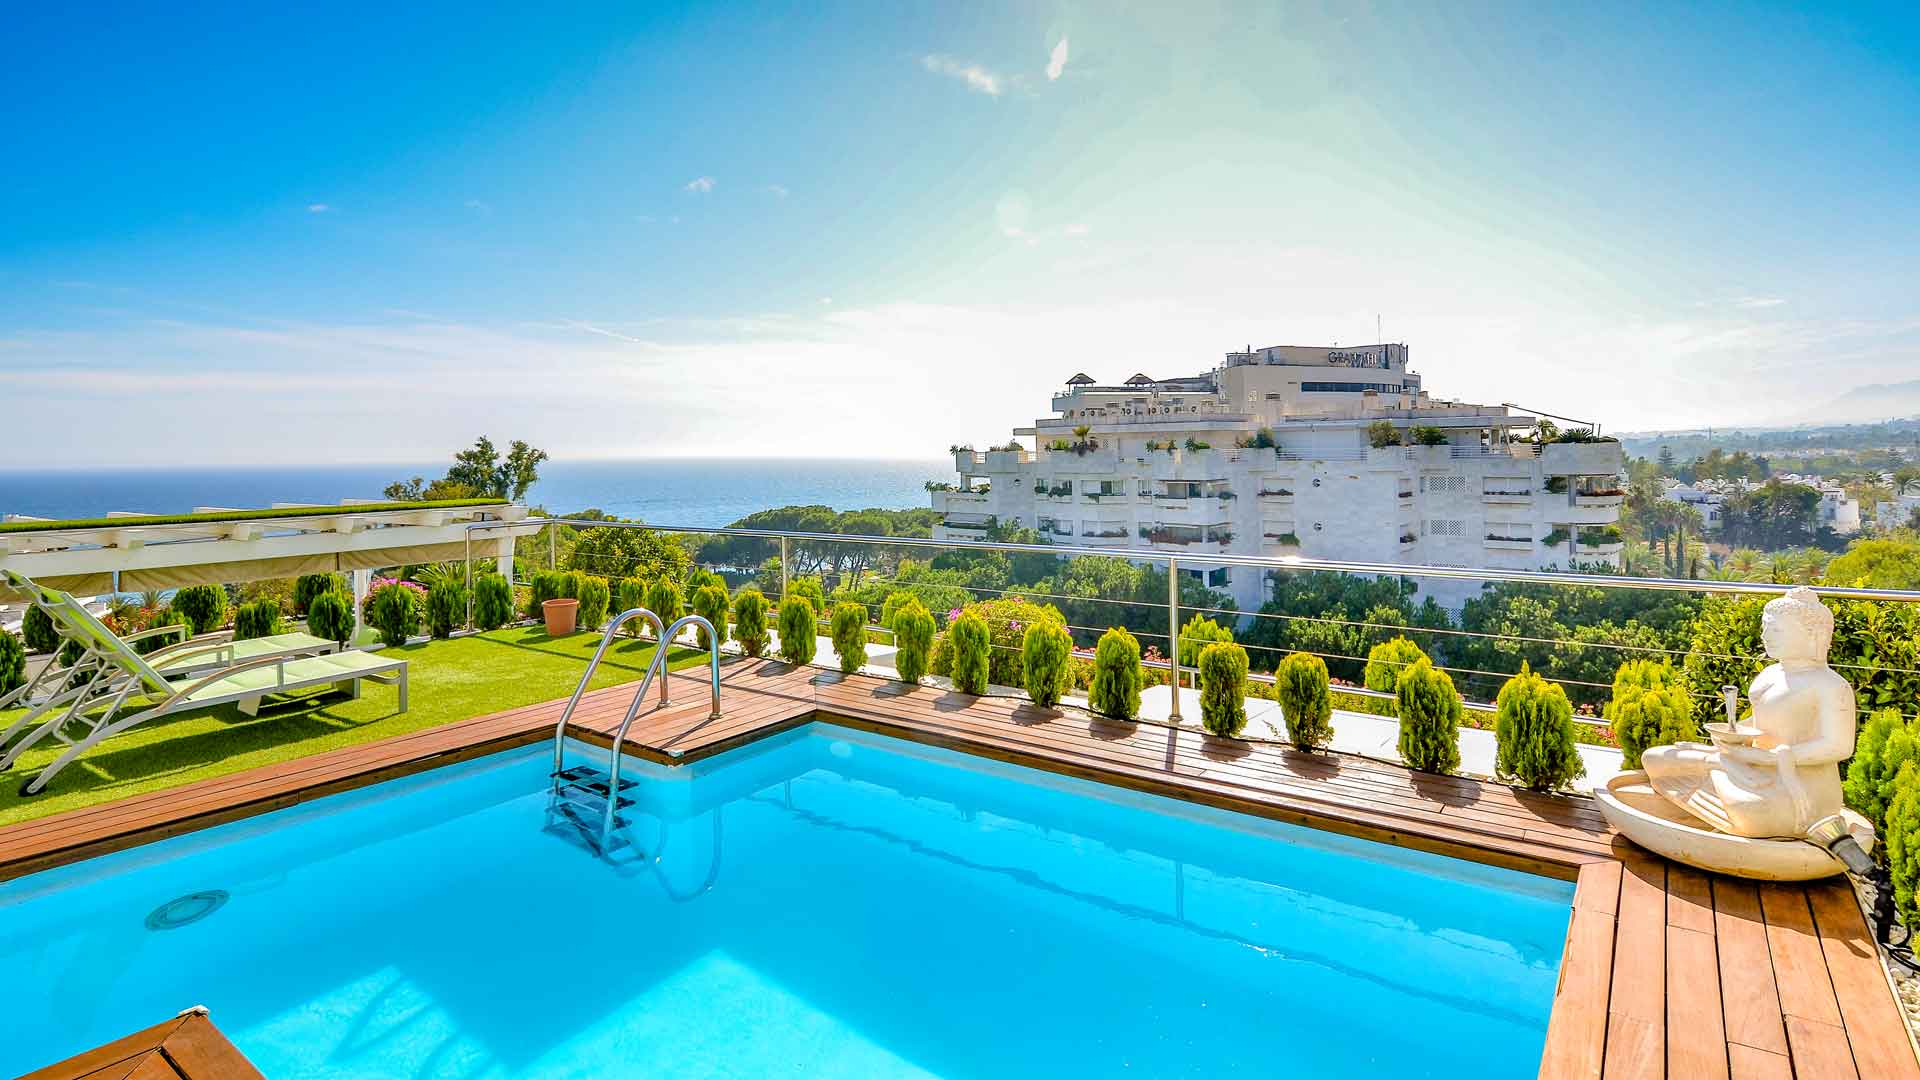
(560, 614)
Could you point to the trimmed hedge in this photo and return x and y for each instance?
(13, 662)
(256, 620)
(1045, 653)
(395, 613)
(547, 585)
(205, 607)
(330, 616)
(1223, 689)
(492, 601)
(891, 606)
(1199, 633)
(1387, 660)
(1650, 707)
(1430, 711)
(308, 586)
(1301, 686)
(1903, 842)
(37, 632)
(912, 638)
(812, 591)
(849, 630)
(798, 626)
(632, 593)
(970, 648)
(446, 608)
(710, 603)
(594, 594)
(750, 621)
(1887, 742)
(1115, 687)
(664, 600)
(1534, 731)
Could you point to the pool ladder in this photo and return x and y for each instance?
(585, 800)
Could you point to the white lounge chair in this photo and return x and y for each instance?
(110, 674)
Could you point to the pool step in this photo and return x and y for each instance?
(588, 785)
(581, 825)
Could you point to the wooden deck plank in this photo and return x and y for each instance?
(1696, 1035)
(186, 1047)
(1799, 964)
(1577, 1026)
(1749, 1063)
(1636, 1009)
(1750, 1001)
(1867, 1007)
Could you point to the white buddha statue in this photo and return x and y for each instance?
(1778, 773)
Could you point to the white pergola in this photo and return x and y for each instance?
(141, 554)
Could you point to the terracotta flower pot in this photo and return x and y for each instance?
(560, 615)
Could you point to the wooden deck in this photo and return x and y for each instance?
(187, 1047)
(1667, 971)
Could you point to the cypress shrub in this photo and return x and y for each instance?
(849, 630)
(1387, 660)
(750, 622)
(912, 638)
(205, 607)
(1887, 742)
(594, 595)
(664, 600)
(970, 649)
(891, 606)
(446, 608)
(1534, 731)
(812, 591)
(1199, 633)
(1429, 710)
(70, 653)
(37, 632)
(13, 662)
(330, 616)
(1044, 653)
(256, 620)
(163, 617)
(547, 585)
(308, 586)
(1650, 707)
(1223, 689)
(1902, 838)
(798, 625)
(1300, 685)
(632, 593)
(396, 614)
(710, 603)
(700, 577)
(1115, 688)
(492, 601)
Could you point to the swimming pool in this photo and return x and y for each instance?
(823, 903)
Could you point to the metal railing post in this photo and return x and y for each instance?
(469, 539)
(783, 567)
(553, 545)
(1173, 633)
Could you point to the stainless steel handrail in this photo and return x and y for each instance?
(657, 666)
(606, 640)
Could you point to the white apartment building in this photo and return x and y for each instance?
(1172, 465)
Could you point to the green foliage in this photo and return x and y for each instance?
(1300, 685)
(547, 585)
(256, 620)
(70, 653)
(970, 640)
(664, 600)
(205, 607)
(594, 596)
(1387, 660)
(446, 608)
(810, 590)
(1007, 619)
(1876, 648)
(1382, 434)
(308, 586)
(1196, 635)
(710, 603)
(895, 600)
(395, 613)
(478, 471)
(1887, 743)
(37, 632)
(912, 639)
(799, 626)
(621, 552)
(1044, 653)
(492, 601)
(1429, 711)
(633, 594)
(750, 621)
(1902, 836)
(330, 616)
(1533, 727)
(13, 662)
(1428, 435)
(1223, 689)
(1115, 687)
(1650, 707)
(849, 629)
(1886, 563)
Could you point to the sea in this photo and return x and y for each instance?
(704, 492)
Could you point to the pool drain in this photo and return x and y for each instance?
(183, 910)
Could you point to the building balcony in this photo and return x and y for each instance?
(961, 502)
(1508, 496)
(968, 522)
(1497, 542)
(1609, 500)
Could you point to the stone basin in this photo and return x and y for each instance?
(1643, 816)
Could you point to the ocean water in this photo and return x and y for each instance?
(823, 904)
(684, 491)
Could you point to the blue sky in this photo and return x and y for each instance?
(372, 233)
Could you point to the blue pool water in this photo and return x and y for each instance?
(828, 903)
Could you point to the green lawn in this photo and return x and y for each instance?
(448, 680)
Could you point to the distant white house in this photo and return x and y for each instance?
(1898, 512)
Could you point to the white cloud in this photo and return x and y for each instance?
(977, 78)
(1057, 61)
(777, 191)
(700, 185)
(319, 208)
(1759, 301)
